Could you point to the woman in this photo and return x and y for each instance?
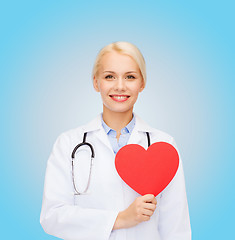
(108, 208)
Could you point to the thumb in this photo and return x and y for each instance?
(148, 197)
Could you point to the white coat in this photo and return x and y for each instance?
(92, 216)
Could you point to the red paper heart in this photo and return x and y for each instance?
(147, 171)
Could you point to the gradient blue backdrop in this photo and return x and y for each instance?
(46, 55)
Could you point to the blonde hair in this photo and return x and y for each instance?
(122, 48)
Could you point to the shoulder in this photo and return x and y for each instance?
(76, 134)
(159, 135)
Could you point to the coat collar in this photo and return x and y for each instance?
(135, 138)
(96, 124)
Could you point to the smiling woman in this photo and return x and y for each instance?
(102, 206)
(119, 81)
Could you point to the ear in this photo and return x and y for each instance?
(95, 84)
(142, 86)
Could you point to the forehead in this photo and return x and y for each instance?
(114, 61)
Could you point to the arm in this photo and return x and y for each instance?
(174, 222)
(59, 216)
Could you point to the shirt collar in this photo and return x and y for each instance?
(96, 124)
(128, 128)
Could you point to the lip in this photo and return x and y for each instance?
(119, 98)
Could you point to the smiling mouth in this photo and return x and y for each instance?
(119, 98)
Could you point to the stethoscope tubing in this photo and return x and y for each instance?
(91, 162)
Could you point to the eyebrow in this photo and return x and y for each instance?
(114, 72)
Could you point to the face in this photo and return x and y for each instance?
(119, 82)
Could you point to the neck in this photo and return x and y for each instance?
(117, 120)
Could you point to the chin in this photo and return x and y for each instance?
(119, 110)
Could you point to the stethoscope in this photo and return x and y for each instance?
(91, 162)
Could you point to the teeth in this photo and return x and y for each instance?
(120, 97)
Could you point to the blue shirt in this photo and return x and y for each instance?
(124, 137)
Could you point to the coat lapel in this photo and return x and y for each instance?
(96, 126)
(135, 137)
(103, 137)
(140, 126)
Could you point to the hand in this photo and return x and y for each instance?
(140, 210)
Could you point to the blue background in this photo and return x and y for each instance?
(47, 52)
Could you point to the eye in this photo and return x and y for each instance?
(130, 77)
(108, 77)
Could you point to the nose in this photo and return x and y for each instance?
(120, 84)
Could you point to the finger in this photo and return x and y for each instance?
(154, 201)
(145, 218)
(148, 197)
(147, 212)
(149, 206)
